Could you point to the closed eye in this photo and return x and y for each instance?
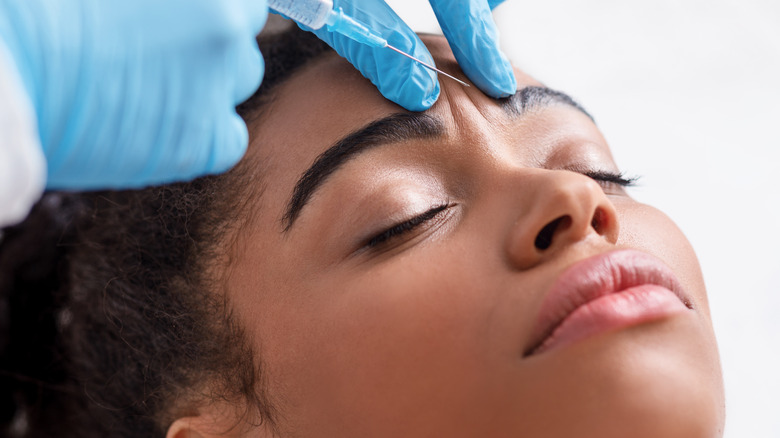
(400, 229)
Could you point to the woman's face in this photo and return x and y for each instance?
(405, 287)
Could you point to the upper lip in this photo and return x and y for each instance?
(597, 276)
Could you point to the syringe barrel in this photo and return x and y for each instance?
(310, 13)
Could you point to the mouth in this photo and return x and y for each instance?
(606, 292)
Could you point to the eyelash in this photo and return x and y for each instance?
(606, 178)
(405, 227)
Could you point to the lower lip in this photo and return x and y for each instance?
(633, 306)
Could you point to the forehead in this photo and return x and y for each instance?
(328, 99)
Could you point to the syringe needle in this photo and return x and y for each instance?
(427, 65)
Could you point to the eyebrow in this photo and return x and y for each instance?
(403, 127)
(534, 98)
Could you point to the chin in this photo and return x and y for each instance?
(660, 379)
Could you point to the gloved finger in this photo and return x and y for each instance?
(398, 78)
(473, 37)
(256, 11)
(494, 3)
(206, 149)
(244, 61)
(248, 68)
(229, 145)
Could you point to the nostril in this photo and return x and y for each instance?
(545, 237)
(599, 220)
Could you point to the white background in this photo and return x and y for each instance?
(688, 94)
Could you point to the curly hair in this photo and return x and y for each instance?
(112, 315)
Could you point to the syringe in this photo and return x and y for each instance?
(317, 13)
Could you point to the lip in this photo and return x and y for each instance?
(606, 292)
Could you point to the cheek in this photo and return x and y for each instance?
(410, 317)
(421, 334)
(647, 228)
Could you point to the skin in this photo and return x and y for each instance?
(425, 338)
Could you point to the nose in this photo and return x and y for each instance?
(562, 209)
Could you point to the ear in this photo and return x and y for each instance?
(185, 428)
(215, 425)
(205, 427)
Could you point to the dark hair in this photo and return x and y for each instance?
(111, 313)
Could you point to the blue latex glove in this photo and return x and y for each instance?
(469, 28)
(129, 93)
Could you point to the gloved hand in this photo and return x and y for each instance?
(469, 28)
(129, 93)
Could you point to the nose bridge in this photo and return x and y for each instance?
(564, 208)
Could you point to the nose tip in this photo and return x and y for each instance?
(567, 208)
